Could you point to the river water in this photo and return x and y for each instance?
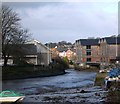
(74, 86)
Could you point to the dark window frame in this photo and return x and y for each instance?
(88, 46)
(88, 59)
(88, 53)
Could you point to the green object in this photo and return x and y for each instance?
(9, 93)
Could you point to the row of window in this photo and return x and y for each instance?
(88, 53)
(88, 59)
(102, 60)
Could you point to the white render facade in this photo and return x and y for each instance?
(42, 56)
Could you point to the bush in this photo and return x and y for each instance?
(85, 67)
(62, 63)
(71, 63)
(29, 71)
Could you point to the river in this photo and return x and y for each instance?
(68, 87)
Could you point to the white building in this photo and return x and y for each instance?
(35, 53)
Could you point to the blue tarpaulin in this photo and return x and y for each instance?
(114, 72)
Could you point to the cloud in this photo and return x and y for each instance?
(68, 21)
(60, 1)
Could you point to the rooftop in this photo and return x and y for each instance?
(109, 40)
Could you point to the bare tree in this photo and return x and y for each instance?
(12, 32)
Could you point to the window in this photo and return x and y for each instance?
(88, 59)
(88, 47)
(88, 53)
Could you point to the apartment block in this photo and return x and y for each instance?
(101, 50)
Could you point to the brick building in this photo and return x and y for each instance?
(71, 55)
(54, 53)
(101, 50)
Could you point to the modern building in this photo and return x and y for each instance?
(37, 53)
(34, 53)
(87, 50)
(101, 50)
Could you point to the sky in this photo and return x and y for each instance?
(67, 21)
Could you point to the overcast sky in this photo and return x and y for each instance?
(55, 21)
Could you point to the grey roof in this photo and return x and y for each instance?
(109, 40)
(30, 49)
(89, 41)
(61, 49)
(27, 49)
(112, 40)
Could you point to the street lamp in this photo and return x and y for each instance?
(116, 47)
(116, 51)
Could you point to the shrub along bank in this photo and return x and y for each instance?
(86, 68)
(31, 71)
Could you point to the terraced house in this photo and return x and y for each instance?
(102, 50)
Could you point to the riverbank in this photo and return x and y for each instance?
(23, 72)
(86, 68)
(110, 93)
(99, 81)
(91, 95)
(113, 92)
(70, 88)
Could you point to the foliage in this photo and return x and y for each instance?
(71, 62)
(66, 61)
(30, 71)
(62, 62)
(86, 68)
(100, 79)
(12, 33)
(61, 43)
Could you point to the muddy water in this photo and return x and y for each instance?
(74, 86)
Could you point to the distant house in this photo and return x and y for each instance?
(35, 53)
(71, 55)
(62, 54)
(62, 51)
(101, 50)
(54, 53)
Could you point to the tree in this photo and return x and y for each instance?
(12, 32)
(65, 59)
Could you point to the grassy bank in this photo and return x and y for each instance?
(20, 72)
(113, 93)
(100, 79)
(85, 68)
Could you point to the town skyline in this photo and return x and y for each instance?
(67, 21)
(60, 52)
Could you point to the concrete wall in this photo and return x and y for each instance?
(43, 59)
